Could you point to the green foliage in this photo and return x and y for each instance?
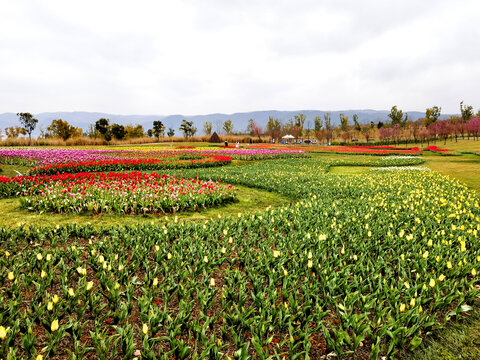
(158, 129)
(12, 132)
(467, 112)
(397, 117)
(318, 123)
(274, 127)
(28, 122)
(343, 122)
(299, 122)
(355, 121)
(118, 131)
(207, 127)
(228, 126)
(432, 114)
(187, 128)
(103, 127)
(134, 131)
(170, 132)
(62, 129)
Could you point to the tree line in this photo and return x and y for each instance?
(398, 128)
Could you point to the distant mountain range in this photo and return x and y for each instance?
(83, 119)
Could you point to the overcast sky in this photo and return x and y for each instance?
(200, 57)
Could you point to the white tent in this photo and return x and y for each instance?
(288, 137)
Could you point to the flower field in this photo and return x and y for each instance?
(359, 149)
(49, 161)
(125, 193)
(362, 266)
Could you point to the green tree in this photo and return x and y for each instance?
(343, 122)
(28, 122)
(397, 117)
(207, 128)
(62, 129)
(366, 132)
(355, 121)
(103, 127)
(170, 132)
(299, 122)
(317, 123)
(187, 128)
(228, 126)
(134, 131)
(328, 126)
(432, 114)
(344, 127)
(13, 132)
(274, 127)
(158, 129)
(118, 131)
(466, 110)
(251, 122)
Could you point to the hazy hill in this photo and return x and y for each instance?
(240, 120)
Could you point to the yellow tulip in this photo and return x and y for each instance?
(54, 326)
(3, 332)
(89, 285)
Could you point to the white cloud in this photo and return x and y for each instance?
(225, 56)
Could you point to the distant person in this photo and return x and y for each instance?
(226, 143)
(237, 144)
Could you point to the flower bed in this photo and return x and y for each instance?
(353, 149)
(180, 161)
(434, 148)
(127, 193)
(44, 157)
(254, 154)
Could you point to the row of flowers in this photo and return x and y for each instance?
(127, 193)
(48, 157)
(362, 149)
(182, 161)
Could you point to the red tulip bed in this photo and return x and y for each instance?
(123, 193)
(175, 162)
(435, 149)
